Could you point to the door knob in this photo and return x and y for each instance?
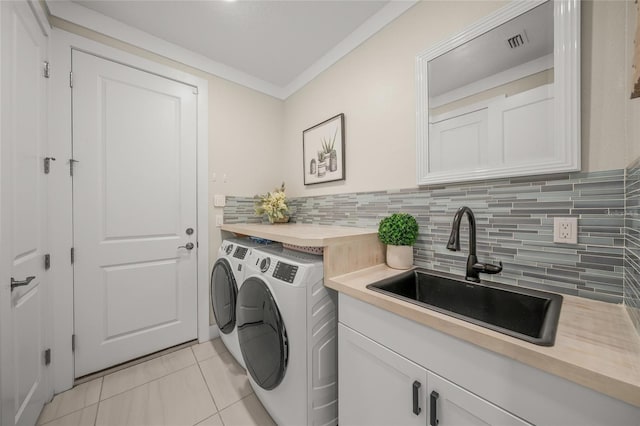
(26, 281)
(188, 246)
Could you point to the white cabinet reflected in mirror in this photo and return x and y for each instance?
(502, 98)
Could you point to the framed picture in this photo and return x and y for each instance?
(323, 151)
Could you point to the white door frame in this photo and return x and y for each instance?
(61, 192)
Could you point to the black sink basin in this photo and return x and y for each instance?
(530, 315)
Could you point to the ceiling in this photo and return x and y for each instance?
(275, 42)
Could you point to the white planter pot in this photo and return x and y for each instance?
(400, 257)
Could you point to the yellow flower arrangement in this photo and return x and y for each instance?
(273, 204)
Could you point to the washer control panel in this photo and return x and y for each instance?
(285, 272)
(228, 249)
(240, 252)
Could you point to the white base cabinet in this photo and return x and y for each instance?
(382, 356)
(380, 387)
(377, 386)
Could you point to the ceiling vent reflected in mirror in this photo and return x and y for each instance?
(517, 40)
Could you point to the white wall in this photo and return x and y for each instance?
(605, 87)
(374, 87)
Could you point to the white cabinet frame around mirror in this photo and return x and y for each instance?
(566, 92)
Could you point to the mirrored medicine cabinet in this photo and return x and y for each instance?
(502, 98)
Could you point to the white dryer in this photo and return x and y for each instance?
(227, 276)
(287, 328)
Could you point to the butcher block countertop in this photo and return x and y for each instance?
(596, 344)
(300, 234)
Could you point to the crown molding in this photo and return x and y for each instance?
(85, 17)
(370, 27)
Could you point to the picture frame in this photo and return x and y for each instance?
(323, 158)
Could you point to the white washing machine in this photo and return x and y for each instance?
(287, 328)
(227, 276)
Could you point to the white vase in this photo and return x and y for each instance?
(400, 257)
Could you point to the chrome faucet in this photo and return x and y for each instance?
(473, 266)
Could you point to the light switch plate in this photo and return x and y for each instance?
(219, 220)
(565, 230)
(219, 201)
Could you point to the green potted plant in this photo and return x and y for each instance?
(399, 232)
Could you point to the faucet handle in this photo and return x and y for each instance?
(488, 268)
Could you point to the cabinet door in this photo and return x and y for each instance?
(377, 386)
(451, 405)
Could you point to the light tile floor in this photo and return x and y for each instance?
(200, 385)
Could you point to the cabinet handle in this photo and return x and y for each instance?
(433, 420)
(416, 401)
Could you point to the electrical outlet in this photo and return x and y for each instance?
(219, 220)
(565, 230)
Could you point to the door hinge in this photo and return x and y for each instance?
(71, 161)
(73, 343)
(71, 79)
(47, 164)
(73, 255)
(45, 71)
(47, 357)
(47, 261)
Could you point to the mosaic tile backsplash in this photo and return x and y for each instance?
(514, 220)
(632, 254)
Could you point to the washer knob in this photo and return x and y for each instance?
(229, 249)
(264, 264)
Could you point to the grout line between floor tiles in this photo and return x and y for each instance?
(205, 383)
(68, 414)
(146, 383)
(95, 419)
(208, 388)
(214, 354)
(101, 387)
(240, 400)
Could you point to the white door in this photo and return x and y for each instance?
(134, 212)
(451, 405)
(24, 377)
(377, 386)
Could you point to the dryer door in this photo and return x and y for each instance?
(262, 334)
(224, 292)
